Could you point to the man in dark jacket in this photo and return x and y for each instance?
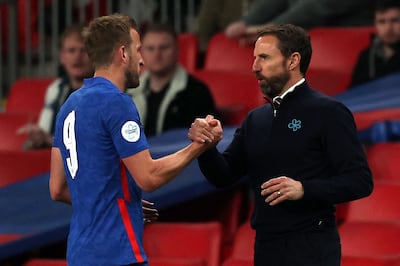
(301, 154)
(382, 57)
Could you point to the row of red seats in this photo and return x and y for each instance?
(200, 243)
(23, 106)
(227, 71)
(369, 237)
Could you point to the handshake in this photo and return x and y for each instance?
(206, 130)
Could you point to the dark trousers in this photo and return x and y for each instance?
(315, 248)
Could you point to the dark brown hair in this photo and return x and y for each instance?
(104, 34)
(291, 39)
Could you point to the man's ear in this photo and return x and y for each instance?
(122, 53)
(294, 60)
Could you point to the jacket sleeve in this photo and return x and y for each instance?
(352, 179)
(261, 11)
(224, 169)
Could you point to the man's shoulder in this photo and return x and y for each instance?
(194, 82)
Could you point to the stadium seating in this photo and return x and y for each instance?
(20, 165)
(328, 81)
(9, 124)
(335, 53)
(366, 239)
(230, 221)
(370, 261)
(177, 262)
(27, 95)
(366, 119)
(243, 247)
(384, 161)
(381, 206)
(184, 241)
(188, 50)
(341, 212)
(235, 93)
(225, 54)
(372, 225)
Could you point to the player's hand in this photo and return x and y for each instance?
(206, 130)
(150, 214)
(280, 189)
(216, 128)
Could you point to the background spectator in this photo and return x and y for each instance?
(168, 96)
(304, 13)
(76, 65)
(382, 57)
(210, 19)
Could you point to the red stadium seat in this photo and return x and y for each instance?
(228, 207)
(384, 161)
(243, 247)
(370, 261)
(4, 238)
(184, 241)
(237, 262)
(27, 95)
(9, 124)
(381, 206)
(234, 93)
(16, 166)
(225, 54)
(341, 212)
(372, 227)
(328, 81)
(366, 119)
(230, 218)
(367, 239)
(188, 51)
(46, 262)
(335, 53)
(177, 262)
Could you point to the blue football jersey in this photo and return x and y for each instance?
(96, 127)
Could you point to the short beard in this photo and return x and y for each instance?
(274, 85)
(132, 79)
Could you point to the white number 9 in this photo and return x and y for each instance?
(70, 143)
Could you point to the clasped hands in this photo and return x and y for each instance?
(206, 130)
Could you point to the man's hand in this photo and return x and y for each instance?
(281, 188)
(150, 214)
(236, 29)
(37, 138)
(206, 130)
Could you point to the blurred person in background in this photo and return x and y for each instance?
(210, 20)
(304, 13)
(76, 66)
(168, 96)
(382, 57)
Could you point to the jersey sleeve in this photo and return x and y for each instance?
(57, 137)
(122, 120)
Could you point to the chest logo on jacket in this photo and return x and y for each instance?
(295, 124)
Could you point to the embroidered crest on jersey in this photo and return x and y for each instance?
(130, 131)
